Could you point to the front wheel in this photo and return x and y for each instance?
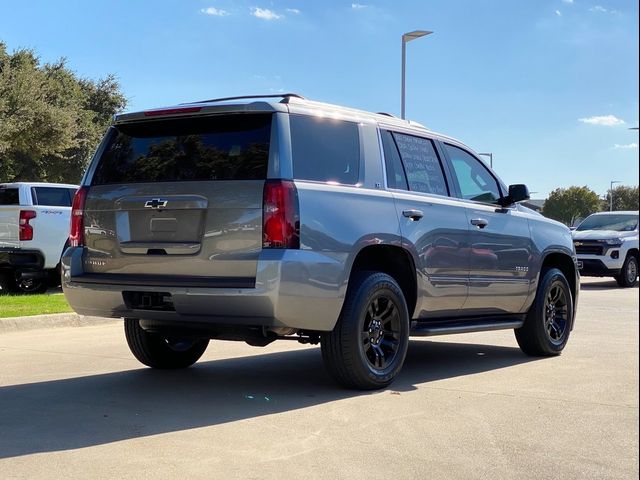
(546, 329)
(157, 351)
(628, 276)
(368, 345)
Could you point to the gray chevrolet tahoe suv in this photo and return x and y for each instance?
(257, 219)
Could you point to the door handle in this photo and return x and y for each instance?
(414, 215)
(479, 222)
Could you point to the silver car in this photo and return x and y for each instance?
(257, 219)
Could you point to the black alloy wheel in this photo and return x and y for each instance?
(556, 313)
(381, 332)
(368, 345)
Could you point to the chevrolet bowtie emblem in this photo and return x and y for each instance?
(155, 203)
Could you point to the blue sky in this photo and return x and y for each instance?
(549, 86)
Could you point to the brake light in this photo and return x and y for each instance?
(76, 236)
(171, 111)
(280, 215)
(26, 230)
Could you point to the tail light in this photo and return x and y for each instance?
(76, 236)
(26, 230)
(280, 215)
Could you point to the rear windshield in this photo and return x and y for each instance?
(9, 196)
(229, 147)
(52, 196)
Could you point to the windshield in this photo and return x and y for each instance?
(618, 223)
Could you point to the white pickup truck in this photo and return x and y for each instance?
(606, 245)
(34, 228)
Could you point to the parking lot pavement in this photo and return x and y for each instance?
(74, 403)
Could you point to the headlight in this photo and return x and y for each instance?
(612, 242)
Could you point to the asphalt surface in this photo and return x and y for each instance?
(75, 404)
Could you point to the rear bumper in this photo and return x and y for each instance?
(293, 288)
(17, 258)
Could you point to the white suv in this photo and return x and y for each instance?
(607, 245)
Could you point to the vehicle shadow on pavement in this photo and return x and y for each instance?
(602, 285)
(99, 409)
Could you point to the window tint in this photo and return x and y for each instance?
(476, 183)
(618, 223)
(223, 147)
(51, 196)
(396, 177)
(9, 196)
(325, 150)
(421, 163)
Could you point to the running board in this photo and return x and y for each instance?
(444, 327)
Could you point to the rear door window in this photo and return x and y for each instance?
(221, 147)
(9, 196)
(51, 196)
(325, 150)
(421, 164)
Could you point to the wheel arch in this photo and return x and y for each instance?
(396, 262)
(566, 264)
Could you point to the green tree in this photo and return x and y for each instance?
(624, 198)
(570, 204)
(51, 120)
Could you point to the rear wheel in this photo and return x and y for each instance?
(546, 329)
(368, 345)
(30, 285)
(5, 282)
(157, 351)
(628, 276)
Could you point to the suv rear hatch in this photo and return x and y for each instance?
(178, 201)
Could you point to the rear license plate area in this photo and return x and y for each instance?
(158, 301)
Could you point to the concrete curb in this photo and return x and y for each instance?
(56, 320)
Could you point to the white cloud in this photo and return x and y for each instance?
(265, 13)
(567, 1)
(628, 146)
(598, 8)
(558, 13)
(217, 12)
(604, 120)
(295, 11)
(358, 6)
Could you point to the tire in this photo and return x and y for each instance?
(369, 343)
(5, 282)
(156, 351)
(30, 286)
(628, 276)
(548, 323)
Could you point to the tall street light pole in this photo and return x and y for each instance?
(407, 37)
(490, 155)
(611, 194)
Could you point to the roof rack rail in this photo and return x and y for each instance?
(386, 114)
(284, 96)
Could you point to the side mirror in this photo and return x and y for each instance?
(517, 193)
